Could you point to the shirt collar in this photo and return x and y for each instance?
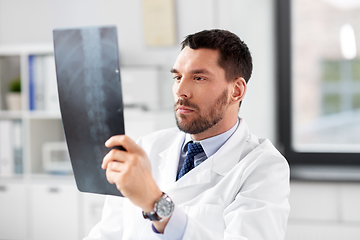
(212, 144)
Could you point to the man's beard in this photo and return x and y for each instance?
(202, 122)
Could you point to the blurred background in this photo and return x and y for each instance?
(38, 196)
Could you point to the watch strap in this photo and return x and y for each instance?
(151, 216)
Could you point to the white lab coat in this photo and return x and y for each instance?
(241, 192)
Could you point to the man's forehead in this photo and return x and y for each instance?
(196, 60)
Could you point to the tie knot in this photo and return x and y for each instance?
(193, 149)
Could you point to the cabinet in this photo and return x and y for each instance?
(13, 210)
(54, 211)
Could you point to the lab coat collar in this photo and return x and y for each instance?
(229, 154)
(169, 165)
(221, 162)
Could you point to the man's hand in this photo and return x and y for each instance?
(130, 170)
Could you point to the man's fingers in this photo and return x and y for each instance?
(122, 140)
(113, 155)
(115, 166)
(112, 176)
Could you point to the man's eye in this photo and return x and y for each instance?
(198, 78)
(177, 78)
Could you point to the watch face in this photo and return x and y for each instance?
(164, 207)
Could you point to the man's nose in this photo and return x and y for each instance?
(183, 88)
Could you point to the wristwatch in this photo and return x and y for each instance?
(163, 209)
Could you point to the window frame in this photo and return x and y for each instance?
(284, 101)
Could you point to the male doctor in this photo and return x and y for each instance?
(209, 178)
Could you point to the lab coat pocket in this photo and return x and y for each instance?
(211, 216)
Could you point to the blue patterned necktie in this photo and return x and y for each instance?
(192, 150)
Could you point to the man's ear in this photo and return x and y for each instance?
(239, 89)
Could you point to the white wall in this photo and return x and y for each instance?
(24, 22)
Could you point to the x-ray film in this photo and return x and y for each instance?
(89, 85)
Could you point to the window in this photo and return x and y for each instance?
(319, 81)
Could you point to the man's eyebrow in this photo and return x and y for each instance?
(195, 71)
(173, 70)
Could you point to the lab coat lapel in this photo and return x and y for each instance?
(169, 160)
(191, 184)
(198, 175)
(169, 164)
(229, 154)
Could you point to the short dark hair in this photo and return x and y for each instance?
(235, 57)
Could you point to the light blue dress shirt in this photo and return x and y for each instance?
(177, 223)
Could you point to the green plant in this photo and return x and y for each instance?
(15, 85)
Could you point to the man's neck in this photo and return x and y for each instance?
(215, 130)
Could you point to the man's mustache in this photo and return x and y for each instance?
(186, 103)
